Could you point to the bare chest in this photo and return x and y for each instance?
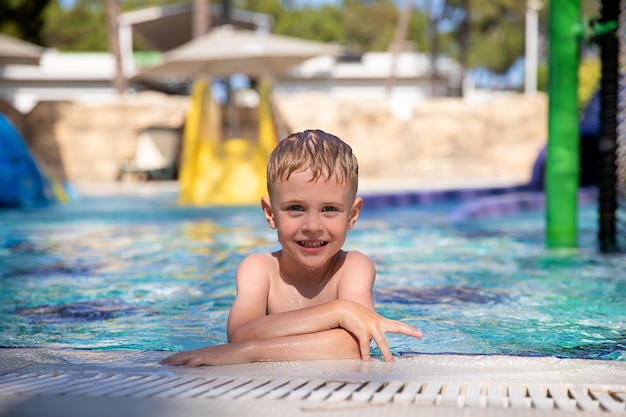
(287, 297)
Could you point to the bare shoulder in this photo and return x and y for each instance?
(357, 269)
(360, 261)
(258, 260)
(256, 265)
(357, 279)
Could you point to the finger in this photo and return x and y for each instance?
(383, 346)
(403, 328)
(195, 362)
(364, 347)
(411, 331)
(177, 359)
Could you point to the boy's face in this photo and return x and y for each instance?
(312, 218)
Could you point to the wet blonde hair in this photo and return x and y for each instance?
(325, 155)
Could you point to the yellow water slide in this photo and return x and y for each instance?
(224, 171)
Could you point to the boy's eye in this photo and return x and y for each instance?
(329, 208)
(295, 208)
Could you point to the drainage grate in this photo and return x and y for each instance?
(424, 393)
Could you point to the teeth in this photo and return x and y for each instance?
(312, 244)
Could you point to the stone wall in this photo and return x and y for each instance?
(84, 142)
(446, 138)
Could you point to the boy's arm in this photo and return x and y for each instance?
(353, 311)
(342, 330)
(252, 285)
(336, 343)
(331, 344)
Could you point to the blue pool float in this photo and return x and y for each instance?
(21, 182)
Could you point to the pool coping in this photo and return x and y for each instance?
(495, 377)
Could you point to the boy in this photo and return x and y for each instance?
(311, 299)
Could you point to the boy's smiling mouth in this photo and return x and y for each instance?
(312, 244)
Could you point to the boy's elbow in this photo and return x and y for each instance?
(232, 336)
(236, 335)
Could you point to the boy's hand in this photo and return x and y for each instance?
(365, 325)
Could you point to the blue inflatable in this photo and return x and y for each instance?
(590, 118)
(21, 182)
(589, 135)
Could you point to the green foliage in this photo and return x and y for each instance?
(542, 77)
(497, 33)
(82, 28)
(495, 36)
(23, 19)
(418, 31)
(359, 25)
(370, 27)
(129, 5)
(269, 7)
(324, 25)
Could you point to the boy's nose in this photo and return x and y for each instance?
(312, 223)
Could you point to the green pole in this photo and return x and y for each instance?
(563, 134)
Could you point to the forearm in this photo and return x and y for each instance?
(330, 344)
(297, 322)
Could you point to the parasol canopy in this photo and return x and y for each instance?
(15, 51)
(226, 51)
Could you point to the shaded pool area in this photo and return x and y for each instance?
(142, 273)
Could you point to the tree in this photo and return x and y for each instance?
(497, 32)
(113, 13)
(323, 24)
(201, 22)
(23, 19)
(82, 28)
(444, 27)
(418, 30)
(369, 26)
(269, 7)
(463, 37)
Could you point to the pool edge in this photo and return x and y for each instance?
(489, 381)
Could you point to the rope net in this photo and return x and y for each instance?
(620, 150)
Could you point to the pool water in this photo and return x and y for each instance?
(142, 273)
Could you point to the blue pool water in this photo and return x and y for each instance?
(145, 274)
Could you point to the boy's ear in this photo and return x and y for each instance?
(266, 205)
(354, 212)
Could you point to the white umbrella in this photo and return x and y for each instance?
(15, 51)
(227, 51)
